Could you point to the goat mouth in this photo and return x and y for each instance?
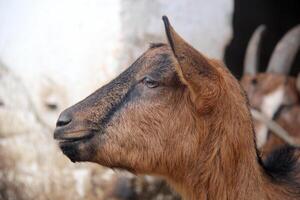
(71, 143)
(82, 136)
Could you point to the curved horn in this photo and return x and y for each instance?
(253, 50)
(285, 52)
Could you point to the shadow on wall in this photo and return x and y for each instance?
(278, 16)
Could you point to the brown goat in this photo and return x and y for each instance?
(272, 91)
(177, 114)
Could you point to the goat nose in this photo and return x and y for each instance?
(63, 120)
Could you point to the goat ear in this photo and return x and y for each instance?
(192, 65)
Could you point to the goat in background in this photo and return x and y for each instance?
(274, 92)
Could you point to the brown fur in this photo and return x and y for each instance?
(177, 114)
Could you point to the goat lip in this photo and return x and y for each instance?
(75, 136)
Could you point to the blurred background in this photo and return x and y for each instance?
(53, 53)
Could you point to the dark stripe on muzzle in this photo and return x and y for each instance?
(116, 107)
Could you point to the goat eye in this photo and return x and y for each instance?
(254, 81)
(150, 83)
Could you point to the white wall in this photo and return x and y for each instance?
(60, 48)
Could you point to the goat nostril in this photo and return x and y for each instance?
(63, 120)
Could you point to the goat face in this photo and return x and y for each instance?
(126, 117)
(274, 82)
(264, 89)
(139, 119)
